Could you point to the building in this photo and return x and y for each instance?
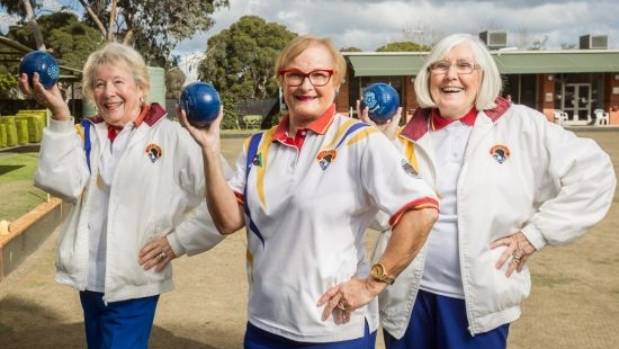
(582, 83)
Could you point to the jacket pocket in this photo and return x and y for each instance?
(504, 292)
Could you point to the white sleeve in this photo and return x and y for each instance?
(196, 234)
(585, 180)
(62, 169)
(391, 181)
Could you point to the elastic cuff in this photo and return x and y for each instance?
(175, 244)
(61, 126)
(425, 202)
(534, 236)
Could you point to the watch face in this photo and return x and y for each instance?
(378, 271)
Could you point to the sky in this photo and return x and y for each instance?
(368, 24)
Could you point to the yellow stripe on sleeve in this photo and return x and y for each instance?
(265, 144)
(361, 135)
(340, 131)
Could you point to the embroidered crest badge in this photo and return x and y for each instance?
(153, 151)
(325, 158)
(500, 153)
(409, 169)
(257, 160)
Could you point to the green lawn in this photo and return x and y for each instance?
(17, 193)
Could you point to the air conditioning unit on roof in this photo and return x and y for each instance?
(598, 42)
(494, 39)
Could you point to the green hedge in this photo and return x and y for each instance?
(3, 135)
(11, 130)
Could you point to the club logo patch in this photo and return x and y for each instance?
(257, 161)
(500, 153)
(409, 169)
(154, 153)
(325, 158)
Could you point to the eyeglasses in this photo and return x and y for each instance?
(462, 67)
(318, 77)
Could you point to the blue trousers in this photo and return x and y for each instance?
(440, 322)
(256, 338)
(119, 325)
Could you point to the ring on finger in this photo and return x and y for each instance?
(162, 256)
(342, 305)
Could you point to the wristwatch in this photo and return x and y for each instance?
(378, 273)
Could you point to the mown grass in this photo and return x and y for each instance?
(17, 192)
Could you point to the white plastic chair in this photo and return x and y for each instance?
(601, 117)
(560, 117)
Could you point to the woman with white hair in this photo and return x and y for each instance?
(133, 177)
(509, 183)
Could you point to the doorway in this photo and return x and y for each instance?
(576, 102)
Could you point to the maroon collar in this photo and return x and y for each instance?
(419, 123)
(438, 121)
(150, 114)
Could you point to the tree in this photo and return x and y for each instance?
(153, 26)
(402, 46)
(68, 39)
(174, 80)
(351, 49)
(8, 84)
(239, 60)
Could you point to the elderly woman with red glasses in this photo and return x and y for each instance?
(509, 183)
(306, 190)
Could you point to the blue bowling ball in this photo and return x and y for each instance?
(201, 102)
(382, 101)
(42, 63)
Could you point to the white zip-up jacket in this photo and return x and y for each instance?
(157, 190)
(550, 184)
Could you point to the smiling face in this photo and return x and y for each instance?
(453, 93)
(117, 94)
(307, 102)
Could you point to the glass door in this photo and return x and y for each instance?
(576, 102)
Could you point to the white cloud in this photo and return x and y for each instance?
(368, 24)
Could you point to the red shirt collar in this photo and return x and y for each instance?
(113, 131)
(318, 126)
(438, 121)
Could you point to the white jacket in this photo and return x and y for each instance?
(150, 197)
(552, 186)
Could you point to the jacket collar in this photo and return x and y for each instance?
(149, 114)
(419, 124)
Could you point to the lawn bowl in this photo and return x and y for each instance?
(42, 63)
(382, 102)
(201, 102)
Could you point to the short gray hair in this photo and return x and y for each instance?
(112, 54)
(491, 82)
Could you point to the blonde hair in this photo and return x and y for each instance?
(112, 54)
(302, 42)
(491, 82)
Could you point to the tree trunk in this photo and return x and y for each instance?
(110, 32)
(94, 17)
(32, 22)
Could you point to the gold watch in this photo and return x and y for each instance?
(378, 273)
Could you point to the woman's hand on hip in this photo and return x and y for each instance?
(51, 98)
(208, 138)
(341, 300)
(389, 129)
(156, 254)
(518, 250)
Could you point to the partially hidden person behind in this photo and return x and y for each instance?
(509, 183)
(306, 190)
(136, 183)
